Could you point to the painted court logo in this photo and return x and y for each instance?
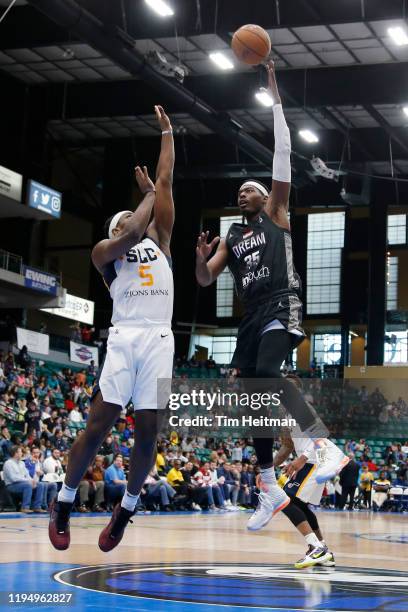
(249, 585)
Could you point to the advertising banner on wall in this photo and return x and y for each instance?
(34, 341)
(11, 184)
(84, 354)
(40, 280)
(75, 308)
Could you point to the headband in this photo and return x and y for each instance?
(115, 221)
(257, 185)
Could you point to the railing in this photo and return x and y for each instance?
(14, 263)
(11, 262)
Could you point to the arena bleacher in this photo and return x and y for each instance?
(60, 397)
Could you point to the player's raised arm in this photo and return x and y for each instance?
(130, 227)
(278, 200)
(208, 271)
(163, 222)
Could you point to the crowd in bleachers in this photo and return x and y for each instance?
(44, 407)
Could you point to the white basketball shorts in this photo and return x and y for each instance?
(136, 358)
(304, 486)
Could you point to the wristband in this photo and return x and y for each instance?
(167, 132)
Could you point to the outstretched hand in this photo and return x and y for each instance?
(273, 86)
(162, 118)
(204, 248)
(143, 180)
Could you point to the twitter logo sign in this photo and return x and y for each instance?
(44, 198)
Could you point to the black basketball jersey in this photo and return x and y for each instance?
(260, 259)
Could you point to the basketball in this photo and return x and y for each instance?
(251, 44)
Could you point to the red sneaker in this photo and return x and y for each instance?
(58, 528)
(113, 532)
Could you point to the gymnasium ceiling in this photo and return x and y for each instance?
(340, 74)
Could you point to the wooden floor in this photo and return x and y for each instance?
(172, 557)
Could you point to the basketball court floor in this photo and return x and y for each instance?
(197, 562)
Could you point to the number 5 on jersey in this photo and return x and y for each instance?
(144, 274)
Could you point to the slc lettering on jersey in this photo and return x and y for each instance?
(137, 255)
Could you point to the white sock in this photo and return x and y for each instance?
(323, 543)
(312, 540)
(67, 494)
(268, 475)
(129, 501)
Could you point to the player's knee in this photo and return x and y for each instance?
(294, 514)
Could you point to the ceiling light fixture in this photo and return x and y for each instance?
(309, 136)
(405, 110)
(160, 7)
(264, 97)
(398, 35)
(221, 61)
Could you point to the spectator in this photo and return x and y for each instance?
(348, 482)
(96, 477)
(231, 485)
(92, 370)
(381, 488)
(76, 332)
(52, 466)
(33, 423)
(161, 461)
(246, 488)
(107, 449)
(53, 384)
(205, 479)
(23, 359)
(18, 481)
(5, 442)
(9, 363)
(115, 480)
(366, 484)
(202, 481)
(34, 468)
(210, 363)
(197, 496)
(59, 442)
(236, 452)
(175, 476)
(86, 334)
(75, 418)
(158, 490)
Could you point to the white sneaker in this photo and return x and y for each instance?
(330, 562)
(272, 499)
(330, 461)
(195, 506)
(228, 502)
(314, 556)
(231, 508)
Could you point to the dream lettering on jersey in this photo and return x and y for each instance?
(248, 243)
(252, 260)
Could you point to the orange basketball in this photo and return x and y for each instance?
(251, 44)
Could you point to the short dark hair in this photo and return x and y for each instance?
(13, 450)
(106, 226)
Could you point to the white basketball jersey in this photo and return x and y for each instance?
(141, 286)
